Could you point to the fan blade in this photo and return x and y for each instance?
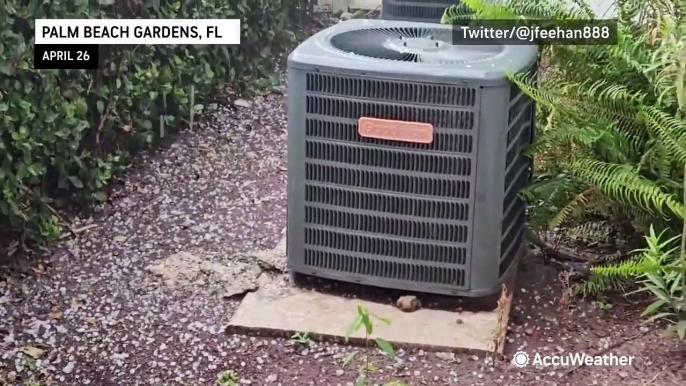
(367, 43)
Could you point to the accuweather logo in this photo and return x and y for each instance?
(522, 359)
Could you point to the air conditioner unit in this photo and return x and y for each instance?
(405, 157)
(427, 11)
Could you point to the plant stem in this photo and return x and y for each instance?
(366, 357)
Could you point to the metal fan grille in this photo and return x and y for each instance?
(381, 209)
(419, 45)
(429, 11)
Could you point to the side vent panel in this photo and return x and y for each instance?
(518, 169)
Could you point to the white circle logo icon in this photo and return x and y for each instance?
(520, 359)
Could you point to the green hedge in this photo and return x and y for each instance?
(67, 132)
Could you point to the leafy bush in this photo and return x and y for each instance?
(70, 131)
(612, 138)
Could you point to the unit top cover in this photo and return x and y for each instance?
(401, 48)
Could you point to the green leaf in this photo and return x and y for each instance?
(101, 107)
(658, 292)
(348, 357)
(382, 319)
(361, 379)
(353, 327)
(386, 347)
(367, 322)
(657, 316)
(652, 308)
(681, 329)
(100, 196)
(76, 182)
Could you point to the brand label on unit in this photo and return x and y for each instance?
(396, 130)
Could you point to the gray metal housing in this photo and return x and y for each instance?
(427, 11)
(442, 217)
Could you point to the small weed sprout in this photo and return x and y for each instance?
(227, 378)
(302, 338)
(364, 319)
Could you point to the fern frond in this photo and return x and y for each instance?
(592, 231)
(620, 209)
(671, 131)
(456, 14)
(622, 183)
(596, 285)
(615, 102)
(510, 10)
(551, 190)
(628, 269)
(575, 205)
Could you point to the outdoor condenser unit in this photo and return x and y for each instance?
(427, 11)
(405, 156)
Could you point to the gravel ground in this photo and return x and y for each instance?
(94, 315)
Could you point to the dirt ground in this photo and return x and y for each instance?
(94, 313)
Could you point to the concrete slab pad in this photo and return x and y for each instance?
(290, 310)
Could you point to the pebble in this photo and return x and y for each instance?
(68, 368)
(242, 103)
(446, 356)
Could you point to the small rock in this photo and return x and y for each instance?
(68, 368)
(246, 382)
(242, 103)
(33, 352)
(623, 374)
(339, 372)
(56, 315)
(408, 303)
(346, 16)
(446, 356)
(459, 321)
(271, 378)
(529, 331)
